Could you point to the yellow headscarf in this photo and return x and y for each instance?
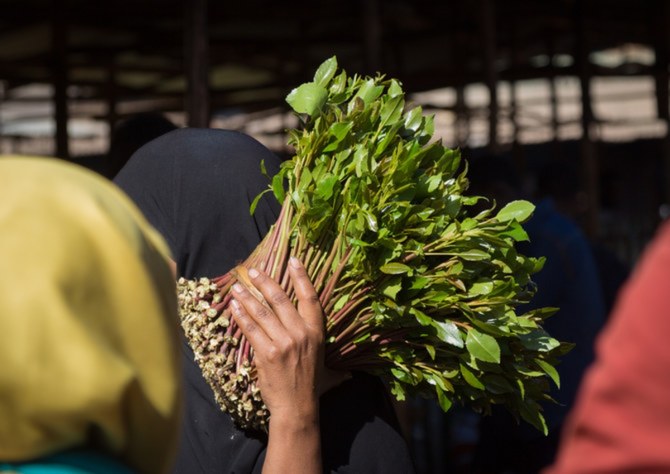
(87, 319)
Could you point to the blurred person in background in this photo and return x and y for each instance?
(569, 281)
(559, 181)
(621, 421)
(89, 380)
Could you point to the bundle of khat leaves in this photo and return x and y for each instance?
(416, 286)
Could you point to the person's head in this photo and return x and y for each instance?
(88, 320)
(130, 134)
(196, 186)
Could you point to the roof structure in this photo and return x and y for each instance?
(78, 63)
(252, 52)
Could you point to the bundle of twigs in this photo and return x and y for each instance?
(416, 287)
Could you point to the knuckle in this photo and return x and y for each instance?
(248, 326)
(272, 353)
(286, 344)
(261, 312)
(304, 340)
(279, 298)
(313, 299)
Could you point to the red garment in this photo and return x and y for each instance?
(621, 421)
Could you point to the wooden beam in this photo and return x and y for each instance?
(456, 74)
(487, 21)
(553, 97)
(462, 118)
(196, 57)
(659, 22)
(59, 36)
(373, 36)
(590, 168)
(515, 60)
(111, 93)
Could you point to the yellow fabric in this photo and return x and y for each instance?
(88, 334)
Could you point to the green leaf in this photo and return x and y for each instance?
(431, 350)
(392, 288)
(530, 411)
(522, 388)
(338, 132)
(474, 255)
(448, 332)
(442, 399)
(371, 221)
(539, 340)
(326, 71)
(471, 379)
(516, 232)
(413, 119)
(401, 375)
(339, 304)
(394, 268)
(395, 89)
(361, 161)
(307, 98)
(481, 288)
(256, 200)
(482, 346)
(419, 283)
(392, 110)
(369, 91)
(325, 186)
(550, 370)
(278, 187)
(421, 317)
(517, 210)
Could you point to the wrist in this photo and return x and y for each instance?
(295, 420)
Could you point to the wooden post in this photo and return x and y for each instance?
(517, 152)
(488, 32)
(590, 168)
(111, 90)
(60, 76)
(373, 37)
(553, 95)
(462, 118)
(661, 76)
(196, 55)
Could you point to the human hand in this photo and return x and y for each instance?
(288, 342)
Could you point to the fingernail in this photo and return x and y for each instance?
(253, 273)
(237, 288)
(295, 263)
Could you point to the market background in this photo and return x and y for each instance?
(585, 82)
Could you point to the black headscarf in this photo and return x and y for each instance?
(195, 186)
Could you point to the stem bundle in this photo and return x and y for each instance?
(416, 287)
